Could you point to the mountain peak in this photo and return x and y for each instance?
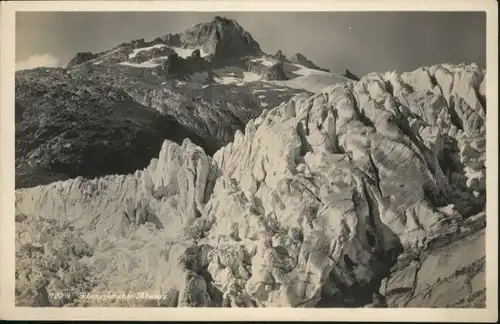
(299, 58)
(224, 20)
(217, 40)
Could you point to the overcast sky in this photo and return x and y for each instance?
(361, 41)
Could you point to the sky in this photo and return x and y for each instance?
(363, 42)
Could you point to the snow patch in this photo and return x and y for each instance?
(109, 53)
(137, 50)
(251, 77)
(183, 52)
(99, 59)
(147, 64)
(227, 80)
(231, 79)
(307, 72)
(264, 62)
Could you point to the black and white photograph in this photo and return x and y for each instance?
(250, 159)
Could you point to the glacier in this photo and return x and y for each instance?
(311, 205)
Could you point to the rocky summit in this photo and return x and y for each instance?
(197, 168)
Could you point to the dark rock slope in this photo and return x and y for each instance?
(299, 58)
(65, 129)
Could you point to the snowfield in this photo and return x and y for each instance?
(310, 80)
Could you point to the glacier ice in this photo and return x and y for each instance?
(313, 200)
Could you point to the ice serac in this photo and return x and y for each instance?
(309, 206)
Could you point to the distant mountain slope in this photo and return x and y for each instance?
(204, 84)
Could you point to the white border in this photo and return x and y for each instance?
(7, 196)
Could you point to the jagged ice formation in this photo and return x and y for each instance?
(310, 206)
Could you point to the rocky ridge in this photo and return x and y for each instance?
(218, 40)
(350, 75)
(309, 206)
(299, 58)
